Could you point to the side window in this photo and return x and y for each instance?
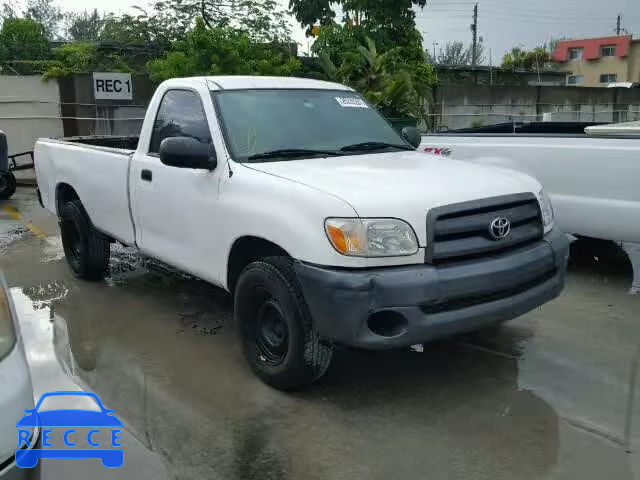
(180, 115)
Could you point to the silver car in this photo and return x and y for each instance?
(16, 393)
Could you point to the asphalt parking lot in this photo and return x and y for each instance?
(553, 394)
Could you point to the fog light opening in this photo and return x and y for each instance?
(387, 323)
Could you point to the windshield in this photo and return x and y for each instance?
(257, 122)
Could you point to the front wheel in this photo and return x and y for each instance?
(87, 251)
(7, 185)
(275, 327)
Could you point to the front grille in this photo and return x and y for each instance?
(461, 232)
(478, 299)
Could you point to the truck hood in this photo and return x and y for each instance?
(403, 185)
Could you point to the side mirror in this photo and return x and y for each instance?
(186, 152)
(412, 135)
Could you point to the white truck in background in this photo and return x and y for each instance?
(591, 173)
(326, 225)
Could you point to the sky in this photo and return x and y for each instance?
(503, 24)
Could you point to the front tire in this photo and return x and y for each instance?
(275, 327)
(87, 250)
(7, 185)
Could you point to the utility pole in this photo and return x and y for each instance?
(490, 67)
(474, 29)
(619, 25)
(435, 59)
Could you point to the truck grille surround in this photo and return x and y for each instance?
(461, 231)
(459, 234)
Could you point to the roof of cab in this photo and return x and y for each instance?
(254, 82)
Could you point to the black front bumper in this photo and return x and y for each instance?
(427, 302)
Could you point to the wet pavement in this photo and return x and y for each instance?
(551, 395)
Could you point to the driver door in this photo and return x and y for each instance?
(175, 205)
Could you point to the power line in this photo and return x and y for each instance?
(528, 15)
(535, 12)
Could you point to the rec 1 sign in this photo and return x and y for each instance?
(112, 86)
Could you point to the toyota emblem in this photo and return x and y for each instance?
(499, 228)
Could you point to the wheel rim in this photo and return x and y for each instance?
(3, 183)
(271, 333)
(71, 238)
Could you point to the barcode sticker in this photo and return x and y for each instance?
(351, 102)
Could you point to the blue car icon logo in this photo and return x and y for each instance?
(98, 422)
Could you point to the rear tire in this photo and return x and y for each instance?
(275, 327)
(7, 185)
(86, 249)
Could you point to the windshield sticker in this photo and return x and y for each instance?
(351, 102)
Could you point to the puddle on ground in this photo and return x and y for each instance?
(536, 398)
(9, 236)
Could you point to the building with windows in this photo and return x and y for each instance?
(597, 62)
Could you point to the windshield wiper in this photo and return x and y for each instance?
(291, 153)
(372, 146)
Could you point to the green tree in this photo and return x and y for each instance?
(390, 23)
(263, 20)
(47, 13)
(23, 39)
(222, 50)
(376, 13)
(141, 28)
(128, 29)
(84, 26)
(334, 41)
(396, 90)
(455, 53)
(520, 59)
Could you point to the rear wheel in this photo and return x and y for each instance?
(86, 249)
(7, 185)
(275, 327)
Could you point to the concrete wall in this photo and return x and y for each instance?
(29, 109)
(463, 106)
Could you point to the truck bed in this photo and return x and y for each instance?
(98, 168)
(526, 128)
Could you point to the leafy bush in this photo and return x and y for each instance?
(222, 51)
(396, 87)
(76, 58)
(28, 67)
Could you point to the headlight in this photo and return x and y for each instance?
(547, 211)
(7, 333)
(371, 237)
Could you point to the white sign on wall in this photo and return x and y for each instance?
(112, 86)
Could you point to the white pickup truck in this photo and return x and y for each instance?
(326, 225)
(591, 173)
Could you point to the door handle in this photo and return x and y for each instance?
(146, 175)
